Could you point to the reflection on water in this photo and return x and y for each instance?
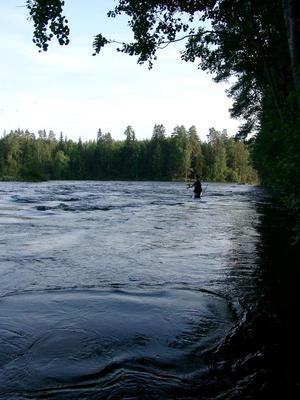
(119, 289)
(93, 336)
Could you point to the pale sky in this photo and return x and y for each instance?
(67, 89)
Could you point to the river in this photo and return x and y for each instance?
(121, 290)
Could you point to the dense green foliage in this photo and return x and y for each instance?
(178, 156)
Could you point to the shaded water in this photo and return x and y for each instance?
(119, 289)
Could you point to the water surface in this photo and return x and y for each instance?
(119, 289)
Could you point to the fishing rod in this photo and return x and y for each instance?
(204, 190)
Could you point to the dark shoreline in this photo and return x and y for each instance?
(258, 358)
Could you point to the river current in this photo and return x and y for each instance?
(118, 290)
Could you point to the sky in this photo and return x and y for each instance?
(68, 90)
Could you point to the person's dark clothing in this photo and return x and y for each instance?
(197, 188)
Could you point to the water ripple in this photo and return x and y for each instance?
(50, 338)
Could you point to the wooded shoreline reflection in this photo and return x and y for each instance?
(25, 156)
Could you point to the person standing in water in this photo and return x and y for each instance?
(197, 188)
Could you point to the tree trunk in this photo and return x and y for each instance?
(289, 13)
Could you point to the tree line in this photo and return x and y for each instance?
(181, 155)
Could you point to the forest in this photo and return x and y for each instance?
(25, 156)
